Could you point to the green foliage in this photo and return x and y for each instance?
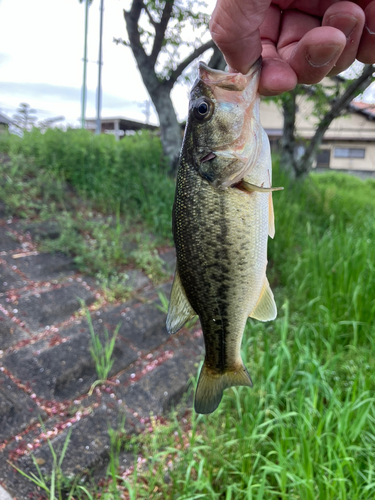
(28, 190)
(57, 486)
(101, 352)
(25, 117)
(129, 175)
(186, 17)
(93, 240)
(307, 428)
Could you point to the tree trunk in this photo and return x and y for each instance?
(288, 140)
(170, 130)
(160, 88)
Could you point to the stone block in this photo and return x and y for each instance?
(17, 409)
(161, 388)
(136, 279)
(4, 495)
(169, 259)
(143, 325)
(52, 307)
(9, 279)
(10, 333)
(89, 440)
(7, 241)
(43, 230)
(44, 266)
(62, 367)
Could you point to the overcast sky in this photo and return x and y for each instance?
(41, 51)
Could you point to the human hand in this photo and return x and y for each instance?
(301, 41)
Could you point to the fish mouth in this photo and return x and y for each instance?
(208, 157)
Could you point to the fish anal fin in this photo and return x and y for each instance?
(266, 309)
(271, 217)
(211, 386)
(179, 310)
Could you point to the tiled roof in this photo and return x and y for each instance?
(364, 107)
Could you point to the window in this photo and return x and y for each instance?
(349, 152)
(322, 158)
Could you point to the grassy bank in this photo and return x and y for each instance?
(111, 201)
(129, 176)
(306, 430)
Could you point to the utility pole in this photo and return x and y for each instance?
(83, 103)
(100, 64)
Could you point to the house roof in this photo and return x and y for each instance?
(364, 107)
(5, 120)
(123, 123)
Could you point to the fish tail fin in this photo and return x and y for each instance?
(211, 386)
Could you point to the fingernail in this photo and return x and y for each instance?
(371, 31)
(346, 24)
(321, 55)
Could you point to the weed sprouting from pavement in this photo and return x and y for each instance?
(56, 485)
(101, 351)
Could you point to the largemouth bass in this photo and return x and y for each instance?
(222, 217)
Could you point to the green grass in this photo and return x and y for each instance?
(103, 243)
(101, 352)
(129, 175)
(306, 430)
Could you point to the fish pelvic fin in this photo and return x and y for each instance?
(211, 386)
(179, 310)
(266, 309)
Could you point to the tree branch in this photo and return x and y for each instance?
(131, 20)
(342, 103)
(150, 18)
(185, 63)
(160, 29)
(217, 60)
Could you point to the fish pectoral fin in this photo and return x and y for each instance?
(179, 310)
(266, 309)
(260, 189)
(211, 386)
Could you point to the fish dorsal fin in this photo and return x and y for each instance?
(265, 310)
(179, 310)
(271, 217)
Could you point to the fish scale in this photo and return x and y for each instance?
(221, 229)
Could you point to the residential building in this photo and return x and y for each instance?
(348, 145)
(118, 126)
(4, 122)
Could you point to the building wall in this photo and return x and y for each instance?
(353, 131)
(350, 127)
(270, 116)
(365, 164)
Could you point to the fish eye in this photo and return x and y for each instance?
(203, 109)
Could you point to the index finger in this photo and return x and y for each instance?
(234, 28)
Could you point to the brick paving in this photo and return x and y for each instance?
(46, 368)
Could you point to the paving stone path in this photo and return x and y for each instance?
(46, 368)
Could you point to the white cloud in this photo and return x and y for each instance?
(41, 61)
